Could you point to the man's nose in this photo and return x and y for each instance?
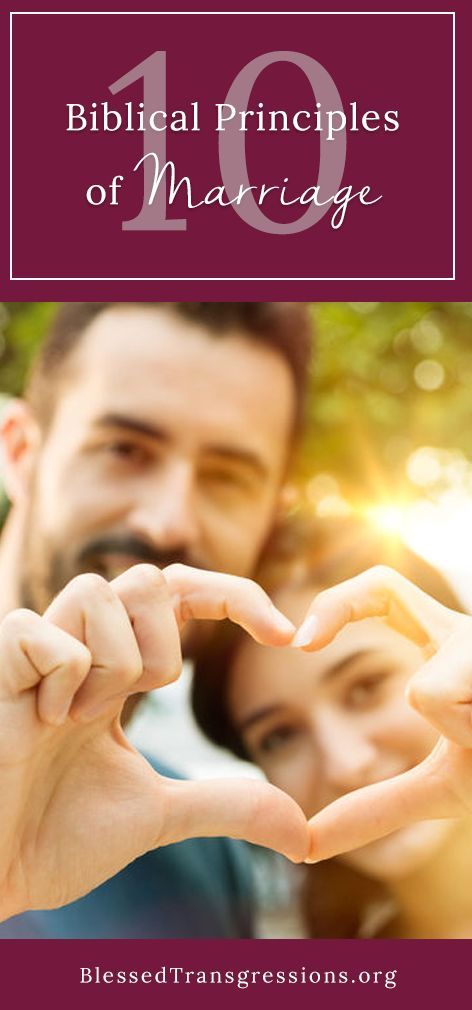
(348, 757)
(165, 510)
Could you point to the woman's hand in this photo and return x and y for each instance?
(77, 801)
(441, 691)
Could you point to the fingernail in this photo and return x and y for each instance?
(306, 632)
(310, 862)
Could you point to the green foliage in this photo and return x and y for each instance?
(22, 326)
(368, 405)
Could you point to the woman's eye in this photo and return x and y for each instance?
(276, 739)
(366, 691)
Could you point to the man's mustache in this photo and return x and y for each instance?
(95, 552)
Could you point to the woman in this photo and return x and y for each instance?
(324, 723)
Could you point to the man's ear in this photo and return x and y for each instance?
(20, 439)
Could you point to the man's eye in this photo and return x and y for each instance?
(231, 479)
(127, 451)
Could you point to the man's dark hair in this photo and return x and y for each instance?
(284, 326)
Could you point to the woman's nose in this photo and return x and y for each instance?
(348, 757)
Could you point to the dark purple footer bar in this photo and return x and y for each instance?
(232, 973)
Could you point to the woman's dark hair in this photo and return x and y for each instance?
(320, 553)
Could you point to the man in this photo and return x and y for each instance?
(149, 434)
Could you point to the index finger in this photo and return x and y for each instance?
(214, 596)
(377, 592)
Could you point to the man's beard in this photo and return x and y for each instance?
(111, 554)
(47, 570)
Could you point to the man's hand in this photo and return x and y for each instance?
(77, 801)
(441, 691)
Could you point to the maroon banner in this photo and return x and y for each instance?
(239, 155)
(179, 973)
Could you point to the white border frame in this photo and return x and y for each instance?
(212, 279)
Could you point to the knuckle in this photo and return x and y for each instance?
(131, 671)
(163, 672)
(381, 573)
(19, 622)
(322, 596)
(423, 696)
(176, 571)
(149, 575)
(78, 663)
(250, 586)
(90, 584)
(413, 695)
(146, 584)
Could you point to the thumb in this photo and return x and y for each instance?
(366, 814)
(239, 808)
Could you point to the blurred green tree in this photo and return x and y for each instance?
(22, 327)
(387, 378)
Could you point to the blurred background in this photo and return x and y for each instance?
(389, 437)
(389, 416)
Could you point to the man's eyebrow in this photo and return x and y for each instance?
(135, 424)
(246, 457)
